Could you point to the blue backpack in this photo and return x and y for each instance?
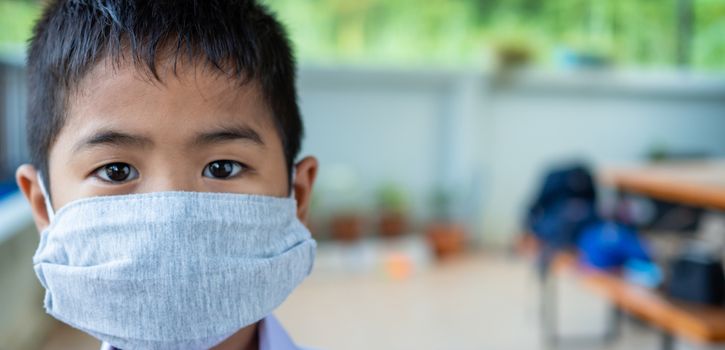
(608, 245)
(564, 207)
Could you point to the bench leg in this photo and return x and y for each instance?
(547, 307)
(668, 341)
(614, 324)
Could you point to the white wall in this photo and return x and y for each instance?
(530, 131)
(383, 127)
(492, 141)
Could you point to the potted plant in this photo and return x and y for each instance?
(342, 208)
(445, 236)
(393, 210)
(347, 226)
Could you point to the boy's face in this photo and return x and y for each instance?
(196, 131)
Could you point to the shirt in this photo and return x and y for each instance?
(271, 335)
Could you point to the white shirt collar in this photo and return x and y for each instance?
(272, 336)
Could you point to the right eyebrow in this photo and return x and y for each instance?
(112, 138)
(229, 133)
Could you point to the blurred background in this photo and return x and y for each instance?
(444, 129)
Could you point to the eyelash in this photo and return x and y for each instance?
(101, 172)
(237, 168)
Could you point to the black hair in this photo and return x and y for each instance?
(239, 38)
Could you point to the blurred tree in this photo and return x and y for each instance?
(629, 32)
(642, 33)
(16, 21)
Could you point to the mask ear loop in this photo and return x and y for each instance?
(46, 197)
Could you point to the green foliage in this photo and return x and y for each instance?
(380, 31)
(16, 21)
(641, 33)
(709, 43)
(392, 197)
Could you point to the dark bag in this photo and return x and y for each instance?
(698, 278)
(566, 204)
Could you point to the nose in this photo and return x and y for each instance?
(173, 179)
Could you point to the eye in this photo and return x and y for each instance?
(116, 172)
(222, 169)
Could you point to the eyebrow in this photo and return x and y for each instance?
(117, 138)
(229, 133)
(112, 138)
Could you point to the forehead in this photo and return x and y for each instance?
(122, 94)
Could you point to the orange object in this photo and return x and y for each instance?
(398, 266)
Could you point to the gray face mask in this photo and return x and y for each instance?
(171, 270)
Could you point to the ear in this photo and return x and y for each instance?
(27, 178)
(305, 174)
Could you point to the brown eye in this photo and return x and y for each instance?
(116, 172)
(222, 169)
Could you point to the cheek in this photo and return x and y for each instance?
(268, 178)
(277, 176)
(250, 185)
(64, 191)
(268, 182)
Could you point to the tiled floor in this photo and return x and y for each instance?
(378, 295)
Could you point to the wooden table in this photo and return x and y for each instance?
(696, 183)
(699, 323)
(700, 184)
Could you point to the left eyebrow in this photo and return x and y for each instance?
(229, 133)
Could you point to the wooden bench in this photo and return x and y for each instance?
(698, 323)
(696, 183)
(700, 184)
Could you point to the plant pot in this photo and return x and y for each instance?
(446, 239)
(346, 227)
(392, 224)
